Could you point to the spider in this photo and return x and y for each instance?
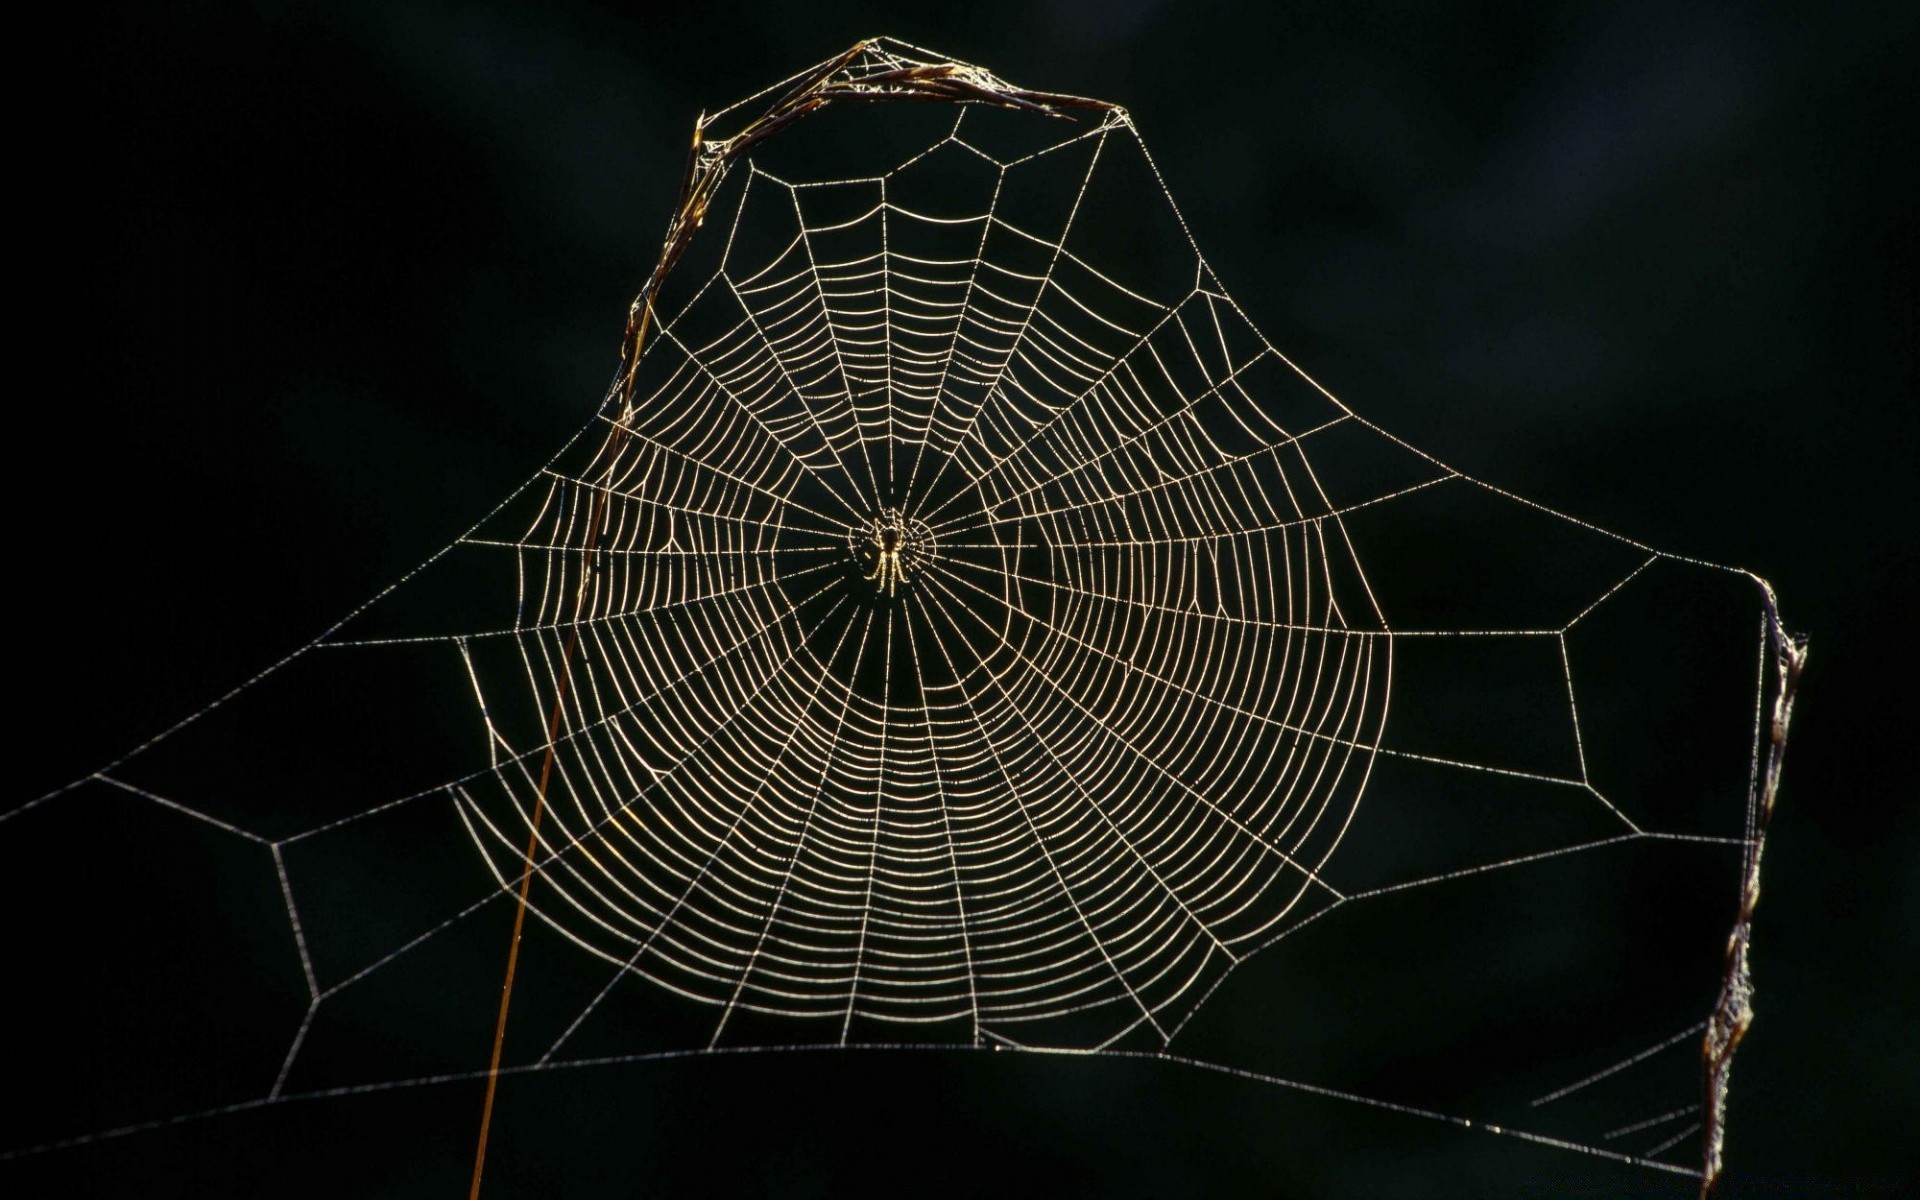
(888, 537)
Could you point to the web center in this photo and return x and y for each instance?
(891, 549)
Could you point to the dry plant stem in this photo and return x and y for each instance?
(1733, 1014)
(595, 525)
(707, 164)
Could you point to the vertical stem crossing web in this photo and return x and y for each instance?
(800, 842)
(1014, 790)
(526, 875)
(879, 802)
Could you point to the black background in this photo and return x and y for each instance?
(345, 273)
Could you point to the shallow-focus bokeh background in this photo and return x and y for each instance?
(349, 271)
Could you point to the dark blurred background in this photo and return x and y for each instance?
(346, 273)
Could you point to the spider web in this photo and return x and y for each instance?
(969, 632)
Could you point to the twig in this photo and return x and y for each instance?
(1733, 1014)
